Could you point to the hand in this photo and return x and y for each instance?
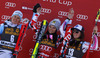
(95, 29)
(71, 13)
(25, 20)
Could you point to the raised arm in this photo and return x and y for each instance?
(36, 14)
(94, 45)
(67, 22)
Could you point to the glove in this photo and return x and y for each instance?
(35, 9)
(71, 13)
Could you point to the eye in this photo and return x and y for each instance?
(18, 18)
(15, 16)
(49, 26)
(54, 27)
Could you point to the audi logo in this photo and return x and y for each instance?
(62, 13)
(46, 10)
(80, 16)
(5, 17)
(45, 48)
(10, 4)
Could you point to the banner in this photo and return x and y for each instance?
(85, 14)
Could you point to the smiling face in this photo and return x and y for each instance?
(15, 19)
(39, 10)
(76, 34)
(52, 29)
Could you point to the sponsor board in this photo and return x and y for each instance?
(62, 13)
(45, 48)
(81, 17)
(10, 4)
(5, 17)
(43, 10)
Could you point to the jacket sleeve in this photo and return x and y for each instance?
(1, 28)
(94, 45)
(32, 23)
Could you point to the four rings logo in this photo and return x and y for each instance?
(62, 13)
(45, 48)
(10, 4)
(5, 17)
(46, 10)
(80, 16)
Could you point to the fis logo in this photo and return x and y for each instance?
(26, 8)
(10, 4)
(81, 17)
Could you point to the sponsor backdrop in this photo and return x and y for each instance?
(85, 14)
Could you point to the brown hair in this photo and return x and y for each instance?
(74, 42)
